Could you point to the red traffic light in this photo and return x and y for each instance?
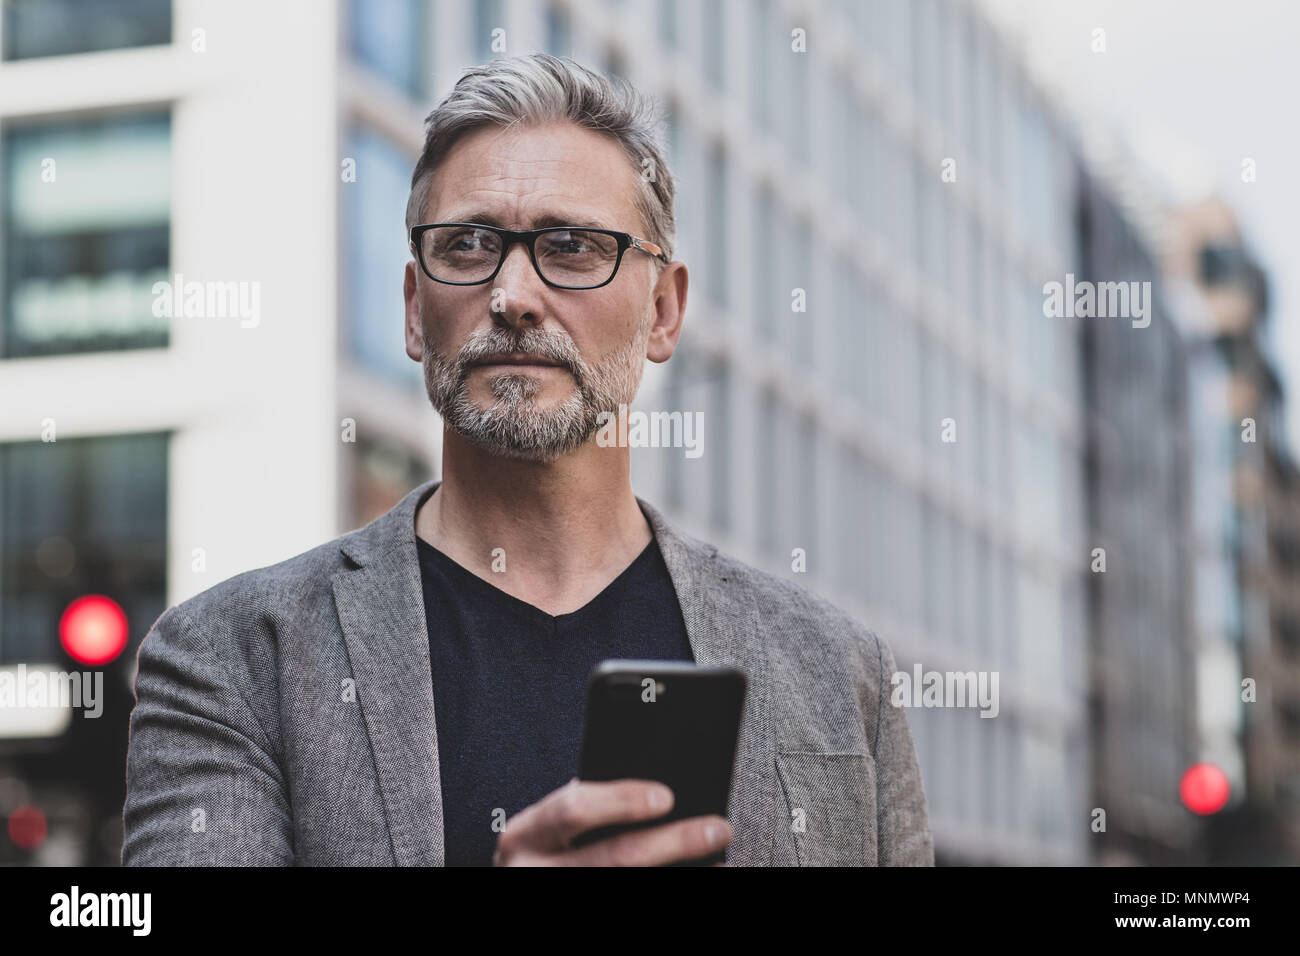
(93, 629)
(1204, 788)
(27, 827)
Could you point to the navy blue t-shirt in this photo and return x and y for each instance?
(509, 684)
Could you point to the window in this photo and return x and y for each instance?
(958, 237)
(59, 27)
(848, 325)
(845, 165)
(765, 238)
(959, 117)
(867, 312)
(770, 506)
(987, 144)
(898, 178)
(559, 32)
(716, 445)
(86, 230)
(672, 133)
(388, 38)
(805, 497)
(614, 66)
(764, 46)
(79, 516)
(934, 242)
(905, 405)
(797, 103)
(382, 474)
(668, 23)
(713, 43)
(865, 191)
(374, 252)
(870, 535)
(983, 584)
(909, 554)
(675, 397)
(716, 228)
(941, 577)
(927, 71)
(928, 544)
(846, 572)
(802, 324)
(488, 16)
(886, 381)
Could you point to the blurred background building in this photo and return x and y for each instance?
(870, 225)
(1142, 651)
(1256, 607)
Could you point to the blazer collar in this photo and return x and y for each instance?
(380, 605)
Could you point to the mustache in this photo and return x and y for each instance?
(549, 345)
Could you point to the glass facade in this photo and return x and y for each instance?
(388, 38)
(909, 548)
(375, 254)
(79, 516)
(86, 230)
(488, 15)
(35, 28)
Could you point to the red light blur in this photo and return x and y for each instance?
(1204, 788)
(27, 827)
(93, 629)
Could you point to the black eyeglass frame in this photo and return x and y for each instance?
(529, 238)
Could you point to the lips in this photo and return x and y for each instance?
(516, 358)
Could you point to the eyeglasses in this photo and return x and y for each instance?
(565, 257)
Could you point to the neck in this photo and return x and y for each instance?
(567, 528)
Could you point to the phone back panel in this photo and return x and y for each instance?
(669, 721)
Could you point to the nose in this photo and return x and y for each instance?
(517, 289)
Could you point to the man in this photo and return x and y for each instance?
(288, 714)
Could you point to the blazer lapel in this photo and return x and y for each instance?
(381, 610)
(723, 627)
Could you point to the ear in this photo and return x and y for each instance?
(669, 312)
(414, 324)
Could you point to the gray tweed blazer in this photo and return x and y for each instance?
(286, 716)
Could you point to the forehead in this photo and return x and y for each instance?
(536, 175)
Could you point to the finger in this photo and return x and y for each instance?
(549, 825)
(681, 840)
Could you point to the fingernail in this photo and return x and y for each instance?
(658, 798)
(713, 834)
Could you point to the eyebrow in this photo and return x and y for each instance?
(541, 222)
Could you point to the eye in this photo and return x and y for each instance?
(471, 240)
(576, 243)
(569, 242)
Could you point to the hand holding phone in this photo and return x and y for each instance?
(665, 728)
(543, 833)
(671, 721)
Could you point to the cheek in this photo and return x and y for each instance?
(447, 323)
(617, 321)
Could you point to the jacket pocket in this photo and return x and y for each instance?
(830, 809)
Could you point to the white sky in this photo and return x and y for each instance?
(1200, 84)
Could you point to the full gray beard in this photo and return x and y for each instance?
(513, 426)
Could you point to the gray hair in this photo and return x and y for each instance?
(540, 88)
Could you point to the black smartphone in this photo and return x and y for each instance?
(671, 721)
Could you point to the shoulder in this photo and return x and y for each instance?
(833, 670)
(243, 618)
(298, 591)
(798, 624)
(284, 587)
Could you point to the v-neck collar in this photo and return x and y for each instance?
(531, 613)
